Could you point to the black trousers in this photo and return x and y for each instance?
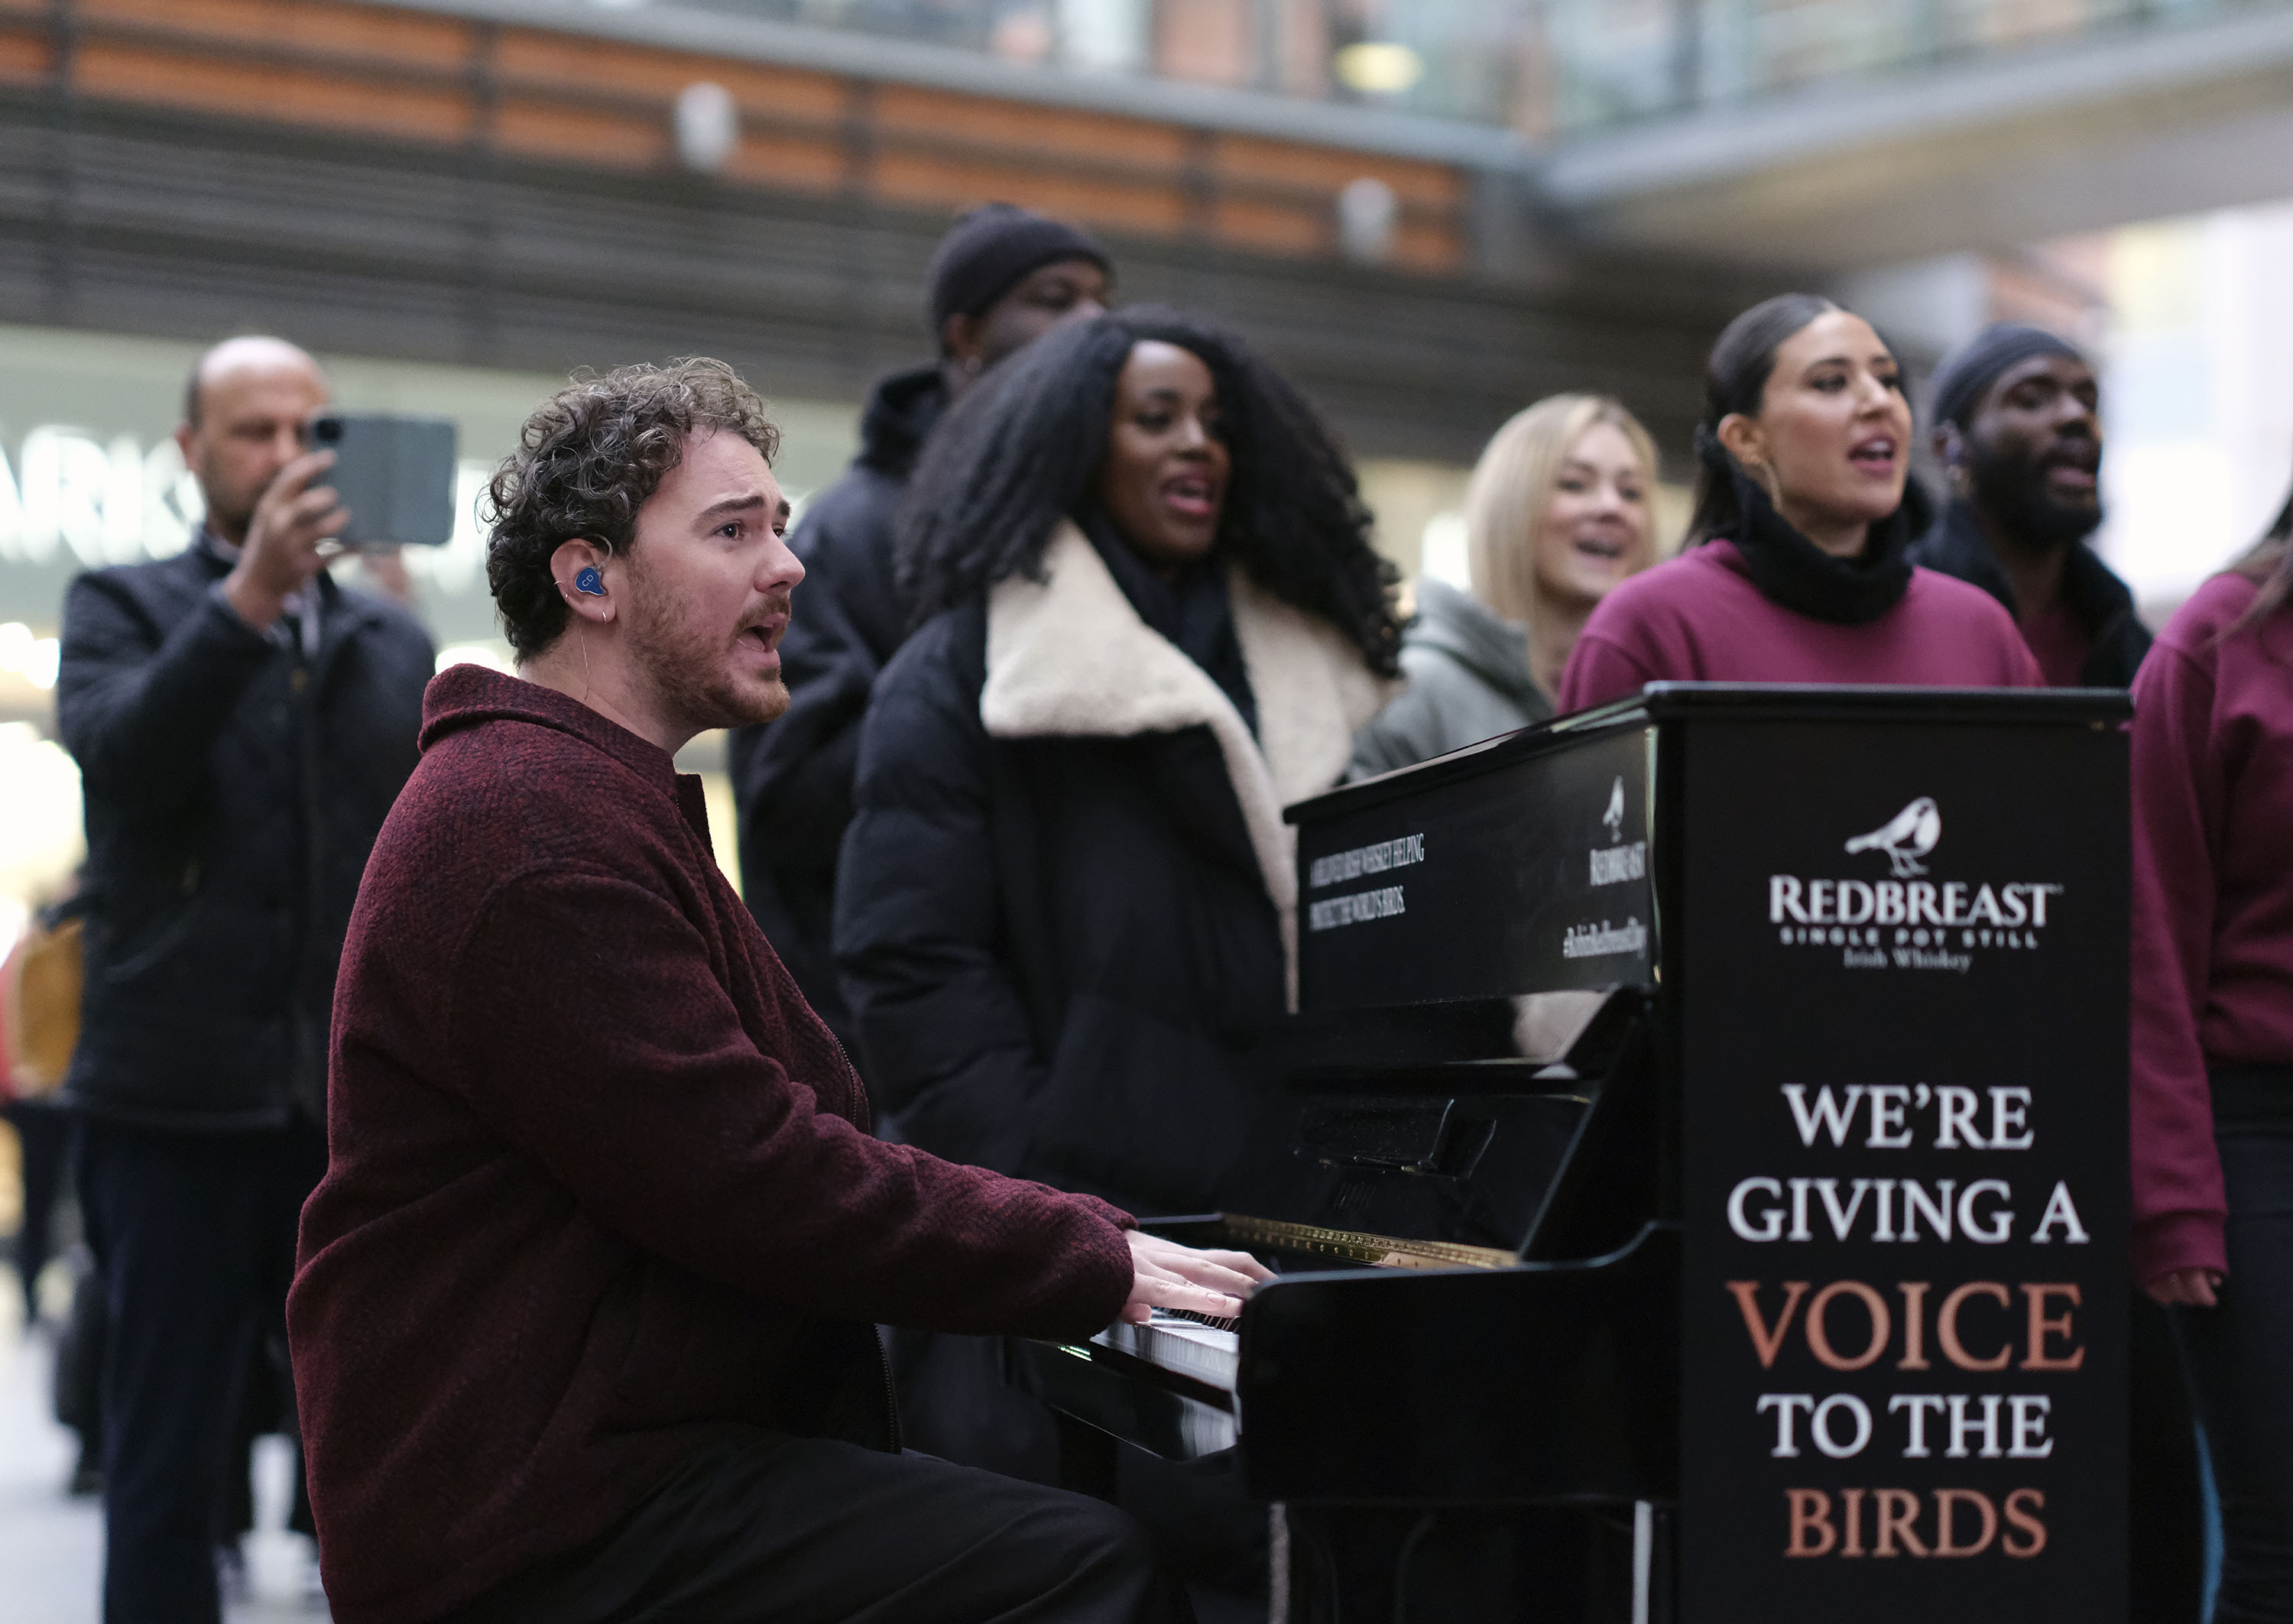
(194, 1239)
(45, 1130)
(956, 1402)
(2241, 1352)
(758, 1526)
(2165, 1560)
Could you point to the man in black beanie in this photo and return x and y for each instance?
(999, 279)
(2017, 431)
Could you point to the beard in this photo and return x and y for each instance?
(2011, 488)
(691, 674)
(229, 512)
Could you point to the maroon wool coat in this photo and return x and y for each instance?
(600, 1180)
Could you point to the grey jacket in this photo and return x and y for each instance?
(1468, 681)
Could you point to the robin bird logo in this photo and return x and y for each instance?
(1905, 838)
(1614, 816)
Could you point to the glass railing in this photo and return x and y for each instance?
(1543, 67)
(1613, 61)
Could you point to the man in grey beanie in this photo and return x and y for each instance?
(1001, 278)
(2017, 428)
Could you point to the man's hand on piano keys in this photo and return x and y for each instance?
(1165, 1275)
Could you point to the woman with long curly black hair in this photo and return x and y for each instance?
(1151, 619)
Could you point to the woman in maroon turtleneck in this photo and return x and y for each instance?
(1798, 572)
(1798, 566)
(2213, 1038)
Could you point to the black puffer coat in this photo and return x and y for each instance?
(1063, 909)
(234, 787)
(792, 779)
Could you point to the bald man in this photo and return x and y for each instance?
(242, 724)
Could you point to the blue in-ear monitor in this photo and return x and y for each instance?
(589, 581)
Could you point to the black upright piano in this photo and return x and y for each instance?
(1701, 1194)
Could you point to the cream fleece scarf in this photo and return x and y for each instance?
(1067, 657)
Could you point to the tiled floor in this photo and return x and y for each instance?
(51, 1545)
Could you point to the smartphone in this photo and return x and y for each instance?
(394, 473)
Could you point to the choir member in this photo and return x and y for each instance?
(1798, 566)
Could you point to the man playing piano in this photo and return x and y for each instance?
(584, 1317)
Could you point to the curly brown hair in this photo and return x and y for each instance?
(586, 461)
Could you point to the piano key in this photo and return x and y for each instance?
(1185, 1345)
(1214, 1321)
(1377, 1251)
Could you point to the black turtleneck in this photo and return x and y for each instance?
(1191, 611)
(1790, 570)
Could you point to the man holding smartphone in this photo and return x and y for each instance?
(242, 724)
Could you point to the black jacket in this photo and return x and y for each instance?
(2116, 638)
(234, 785)
(792, 779)
(1064, 899)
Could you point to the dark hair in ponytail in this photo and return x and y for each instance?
(1734, 380)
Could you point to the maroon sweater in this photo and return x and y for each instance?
(2213, 902)
(1700, 618)
(596, 1169)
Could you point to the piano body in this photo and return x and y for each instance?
(1579, 1009)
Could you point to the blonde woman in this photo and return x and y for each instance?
(1557, 514)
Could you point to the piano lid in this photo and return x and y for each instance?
(1530, 874)
(1739, 702)
(1528, 863)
